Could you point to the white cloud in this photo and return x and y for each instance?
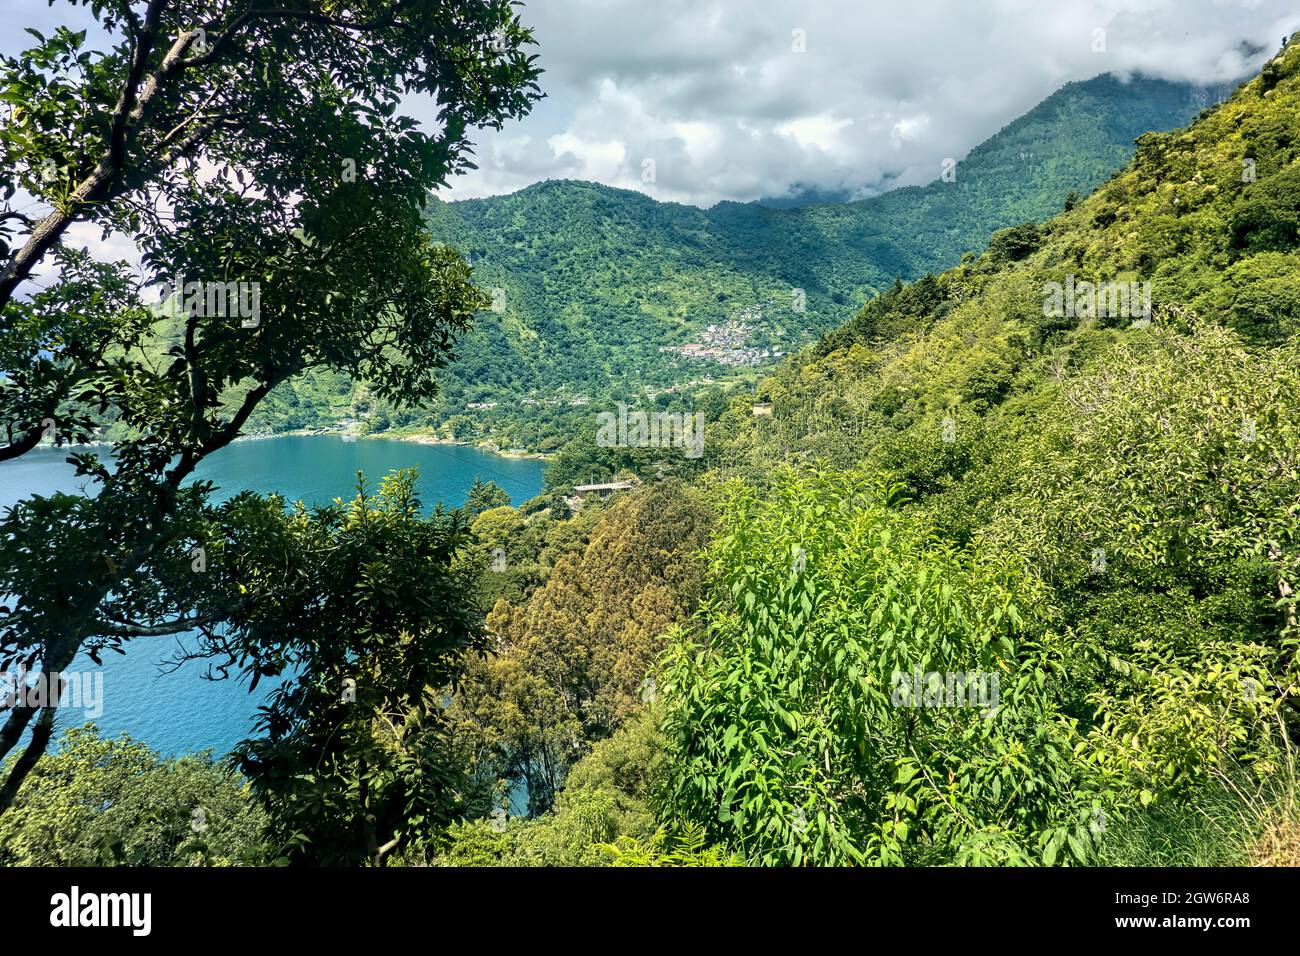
(910, 128)
(604, 158)
(716, 94)
(815, 132)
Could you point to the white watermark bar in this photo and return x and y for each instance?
(956, 689)
(82, 690)
(1081, 300)
(214, 300)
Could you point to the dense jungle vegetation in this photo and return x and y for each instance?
(1097, 513)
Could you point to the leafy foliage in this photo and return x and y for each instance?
(689, 849)
(606, 797)
(242, 147)
(791, 731)
(572, 657)
(1132, 478)
(355, 758)
(101, 802)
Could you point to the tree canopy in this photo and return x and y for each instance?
(261, 158)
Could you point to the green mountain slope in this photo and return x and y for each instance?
(1094, 509)
(593, 281)
(1205, 219)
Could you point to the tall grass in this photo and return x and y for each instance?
(1235, 819)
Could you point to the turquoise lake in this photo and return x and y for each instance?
(182, 711)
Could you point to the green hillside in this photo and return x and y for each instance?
(991, 558)
(594, 281)
(996, 582)
(1094, 509)
(1207, 216)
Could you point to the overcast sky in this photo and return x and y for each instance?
(740, 99)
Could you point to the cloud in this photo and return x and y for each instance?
(739, 99)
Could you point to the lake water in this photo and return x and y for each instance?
(181, 711)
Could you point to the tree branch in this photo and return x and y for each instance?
(24, 764)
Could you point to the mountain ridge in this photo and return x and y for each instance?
(592, 282)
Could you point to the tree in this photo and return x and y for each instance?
(573, 657)
(255, 153)
(101, 802)
(356, 760)
(1016, 243)
(482, 496)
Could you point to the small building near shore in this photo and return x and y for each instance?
(603, 489)
(600, 490)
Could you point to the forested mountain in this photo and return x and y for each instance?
(1203, 219)
(1088, 508)
(1002, 568)
(591, 281)
(1091, 500)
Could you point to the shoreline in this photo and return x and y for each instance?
(412, 438)
(517, 454)
(514, 454)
